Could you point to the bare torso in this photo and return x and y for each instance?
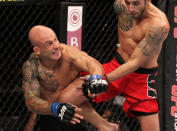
(129, 40)
(53, 81)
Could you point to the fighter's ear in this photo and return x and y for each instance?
(36, 50)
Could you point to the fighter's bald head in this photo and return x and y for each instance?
(36, 34)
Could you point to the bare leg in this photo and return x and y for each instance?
(73, 94)
(92, 116)
(150, 122)
(31, 122)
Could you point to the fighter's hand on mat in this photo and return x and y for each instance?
(94, 86)
(66, 112)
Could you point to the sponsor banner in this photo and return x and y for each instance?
(74, 26)
(175, 21)
(172, 119)
(170, 75)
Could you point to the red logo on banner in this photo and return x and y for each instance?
(174, 99)
(175, 20)
(175, 32)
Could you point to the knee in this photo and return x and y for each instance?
(73, 92)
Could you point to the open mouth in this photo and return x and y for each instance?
(56, 53)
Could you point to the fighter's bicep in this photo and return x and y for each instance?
(30, 84)
(153, 40)
(31, 89)
(81, 61)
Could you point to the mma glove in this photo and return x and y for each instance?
(95, 85)
(64, 111)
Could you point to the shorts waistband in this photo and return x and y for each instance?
(120, 60)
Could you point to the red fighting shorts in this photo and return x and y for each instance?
(139, 89)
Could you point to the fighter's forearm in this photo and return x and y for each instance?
(38, 105)
(125, 21)
(95, 67)
(84, 62)
(123, 70)
(118, 6)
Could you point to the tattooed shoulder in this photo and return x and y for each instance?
(153, 39)
(30, 84)
(157, 34)
(125, 21)
(29, 69)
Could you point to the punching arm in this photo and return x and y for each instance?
(150, 45)
(83, 62)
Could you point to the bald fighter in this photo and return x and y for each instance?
(142, 29)
(51, 81)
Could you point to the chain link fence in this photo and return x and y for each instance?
(100, 42)
(16, 20)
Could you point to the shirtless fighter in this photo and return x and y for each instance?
(51, 80)
(142, 29)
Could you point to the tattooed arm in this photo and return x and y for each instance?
(125, 22)
(31, 89)
(146, 50)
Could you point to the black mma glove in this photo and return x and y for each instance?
(95, 85)
(64, 111)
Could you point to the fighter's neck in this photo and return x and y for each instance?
(50, 64)
(147, 12)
